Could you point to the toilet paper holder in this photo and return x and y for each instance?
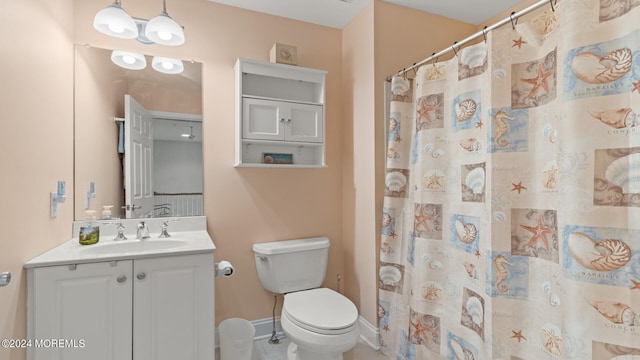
(224, 268)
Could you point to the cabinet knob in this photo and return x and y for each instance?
(121, 278)
(288, 120)
(282, 120)
(141, 276)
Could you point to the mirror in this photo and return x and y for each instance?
(173, 103)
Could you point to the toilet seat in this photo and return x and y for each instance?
(321, 311)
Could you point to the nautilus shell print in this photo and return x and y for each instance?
(465, 109)
(625, 172)
(475, 180)
(466, 232)
(596, 69)
(603, 255)
(617, 118)
(460, 352)
(613, 9)
(470, 144)
(617, 313)
(551, 338)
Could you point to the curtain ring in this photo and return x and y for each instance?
(415, 72)
(433, 59)
(484, 34)
(552, 7)
(453, 47)
(513, 25)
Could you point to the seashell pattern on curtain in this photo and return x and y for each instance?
(511, 224)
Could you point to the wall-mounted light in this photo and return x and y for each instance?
(128, 60)
(162, 29)
(114, 21)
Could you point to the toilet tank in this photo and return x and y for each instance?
(292, 265)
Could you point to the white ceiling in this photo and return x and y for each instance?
(338, 13)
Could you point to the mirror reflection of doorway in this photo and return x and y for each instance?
(162, 163)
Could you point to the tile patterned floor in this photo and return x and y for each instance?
(262, 350)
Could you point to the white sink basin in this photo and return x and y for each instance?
(134, 246)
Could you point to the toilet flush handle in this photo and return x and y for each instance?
(262, 258)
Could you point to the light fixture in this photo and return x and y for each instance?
(167, 65)
(114, 21)
(129, 60)
(190, 135)
(162, 29)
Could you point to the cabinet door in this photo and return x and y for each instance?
(174, 308)
(262, 119)
(304, 123)
(90, 303)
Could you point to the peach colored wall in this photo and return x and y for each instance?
(359, 163)
(98, 97)
(36, 144)
(243, 205)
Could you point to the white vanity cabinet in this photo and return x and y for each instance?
(141, 309)
(279, 110)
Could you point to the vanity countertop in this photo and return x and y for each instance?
(189, 236)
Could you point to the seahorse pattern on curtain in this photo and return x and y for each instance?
(511, 220)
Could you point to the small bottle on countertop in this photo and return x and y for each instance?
(106, 212)
(89, 234)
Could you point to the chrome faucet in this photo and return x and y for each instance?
(143, 231)
(120, 235)
(165, 225)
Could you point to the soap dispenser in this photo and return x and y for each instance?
(90, 233)
(106, 212)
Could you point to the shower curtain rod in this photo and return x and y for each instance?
(513, 17)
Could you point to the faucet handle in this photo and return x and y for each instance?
(120, 229)
(165, 225)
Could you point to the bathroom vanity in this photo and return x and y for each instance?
(127, 299)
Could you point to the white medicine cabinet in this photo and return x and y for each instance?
(280, 117)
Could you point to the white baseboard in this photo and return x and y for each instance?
(369, 334)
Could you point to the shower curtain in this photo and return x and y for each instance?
(511, 219)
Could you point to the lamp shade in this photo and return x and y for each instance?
(167, 65)
(162, 29)
(128, 60)
(114, 21)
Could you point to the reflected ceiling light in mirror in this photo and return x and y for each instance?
(128, 60)
(114, 21)
(162, 29)
(167, 65)
(189, 135)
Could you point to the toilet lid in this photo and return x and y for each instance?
(320, 310)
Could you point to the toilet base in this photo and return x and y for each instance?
(294, 352)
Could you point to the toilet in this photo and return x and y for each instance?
(321, 323)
